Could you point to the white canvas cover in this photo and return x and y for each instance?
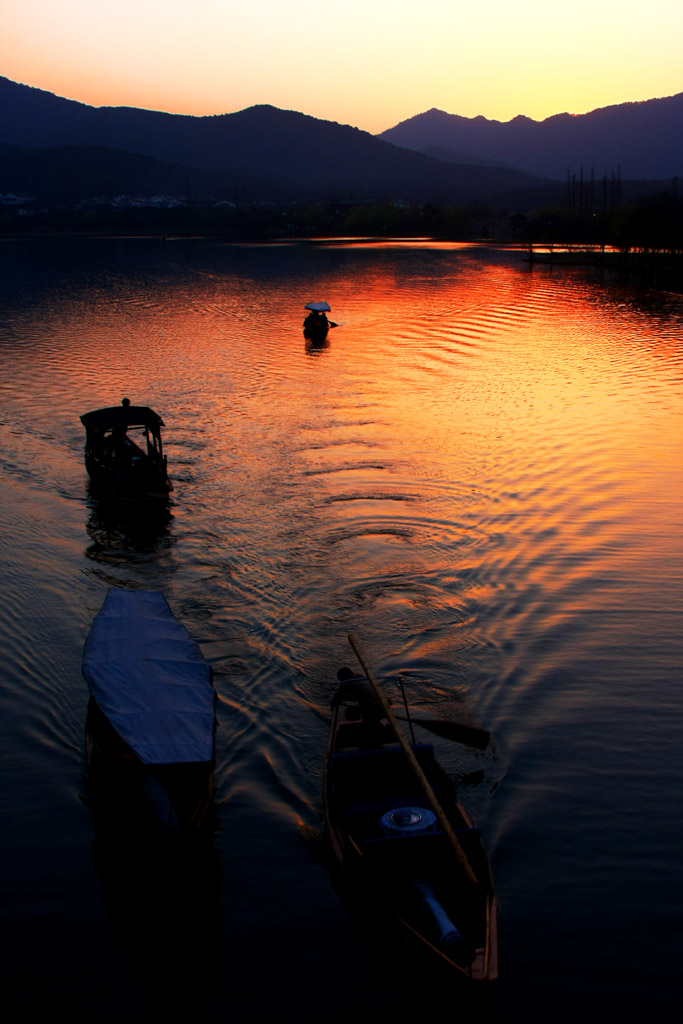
(150, 679)
(319, 307)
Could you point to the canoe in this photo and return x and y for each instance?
(405, 848)
(150, 730)
(117, 466)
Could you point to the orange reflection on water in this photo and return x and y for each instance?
(472, 430)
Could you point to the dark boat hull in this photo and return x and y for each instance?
(176, 797)
(316, 328)
(133, 480)
(412, 878)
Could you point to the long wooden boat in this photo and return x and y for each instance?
(117, 466)
(150, 729)
(405, 846)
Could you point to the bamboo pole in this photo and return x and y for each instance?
(414, 763)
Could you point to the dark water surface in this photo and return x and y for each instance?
(480, 475)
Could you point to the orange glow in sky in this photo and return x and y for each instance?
(368, 63)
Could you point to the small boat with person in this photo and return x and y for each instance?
(117, 465)
(405, 847)
(150, 729)
(316, 324)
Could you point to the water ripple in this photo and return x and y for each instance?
(479, 475)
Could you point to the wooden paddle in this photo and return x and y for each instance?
(468, 735)
(412, 760)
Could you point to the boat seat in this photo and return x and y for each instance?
(459, 833)
(363, 770)
(379, 807)
(379, 779)
(422, 751)
(426, 848)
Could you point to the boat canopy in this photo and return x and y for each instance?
(319, 307)
(150, 679)
(117, 416)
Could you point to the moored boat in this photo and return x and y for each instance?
(117, 465)
(406, 848)
(150, 730)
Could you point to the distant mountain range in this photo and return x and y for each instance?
(60, 150)
(257, 154)
(644, 140)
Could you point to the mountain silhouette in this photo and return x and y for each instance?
(644, 140)
(60, 150)
(261, 153)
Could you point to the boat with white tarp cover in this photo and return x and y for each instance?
(151, 717)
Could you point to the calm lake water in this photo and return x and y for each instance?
(480, 475)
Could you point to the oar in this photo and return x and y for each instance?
(468, 735)
(412, 760)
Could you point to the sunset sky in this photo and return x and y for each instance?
(368, 63)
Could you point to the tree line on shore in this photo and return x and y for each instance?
(650, 223)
